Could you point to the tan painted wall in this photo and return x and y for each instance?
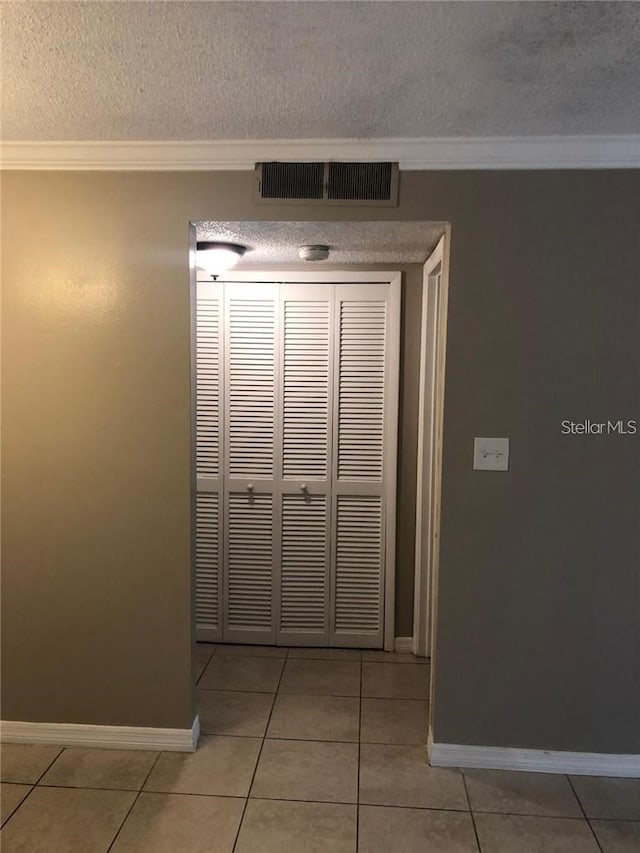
(539, 640)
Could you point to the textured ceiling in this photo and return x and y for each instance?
(272, 243)
(263, 70)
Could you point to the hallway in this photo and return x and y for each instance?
(303, 751)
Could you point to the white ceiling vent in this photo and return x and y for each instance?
(328, 183)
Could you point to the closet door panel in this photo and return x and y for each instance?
(251, 439)
(307, 408)
(361, 426)
(209, 461)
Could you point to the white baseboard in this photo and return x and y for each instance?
(102, 737)
(534, 760)
(403, 645)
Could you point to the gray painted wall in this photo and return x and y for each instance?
(539, 617)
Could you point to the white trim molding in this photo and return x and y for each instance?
(102, 737)
(456, 152)
(534, 760)
(403, 645)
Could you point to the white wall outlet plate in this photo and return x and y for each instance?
(491, 454)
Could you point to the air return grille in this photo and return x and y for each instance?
(328, 183)
(360, 181)
(293, 180)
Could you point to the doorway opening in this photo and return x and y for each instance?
(283, 544)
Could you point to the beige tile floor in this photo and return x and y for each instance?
(303, 751)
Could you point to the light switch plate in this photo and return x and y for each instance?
(491, 454)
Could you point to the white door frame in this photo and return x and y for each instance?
(435, 290)
(394, 279)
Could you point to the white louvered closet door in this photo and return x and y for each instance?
(251, 464)
(365, 435)
(304, 564)
(209, 398)
(296, 455)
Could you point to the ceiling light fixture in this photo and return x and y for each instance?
(313, 253)
(217, 258)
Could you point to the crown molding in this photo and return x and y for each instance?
(515, 152)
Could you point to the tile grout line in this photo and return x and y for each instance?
(172, 793)
(343, 803)
(135, 800)
(617, 819)
(199, 678)
(277, 799)
(15, 809)
(33, 784)
(287, 693)
(335, 695)
(529, 814)
(327, 802)
(44, 773)
(320, 739)
(473, 819)
(264, 737)
(137, 791)
(575, 794)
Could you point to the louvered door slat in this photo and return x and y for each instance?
(208, 385)
(358, 564)
(361, 386)
(305, 569)
(306, 361)
(207, 562)
(251, 387)
(249, 566)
